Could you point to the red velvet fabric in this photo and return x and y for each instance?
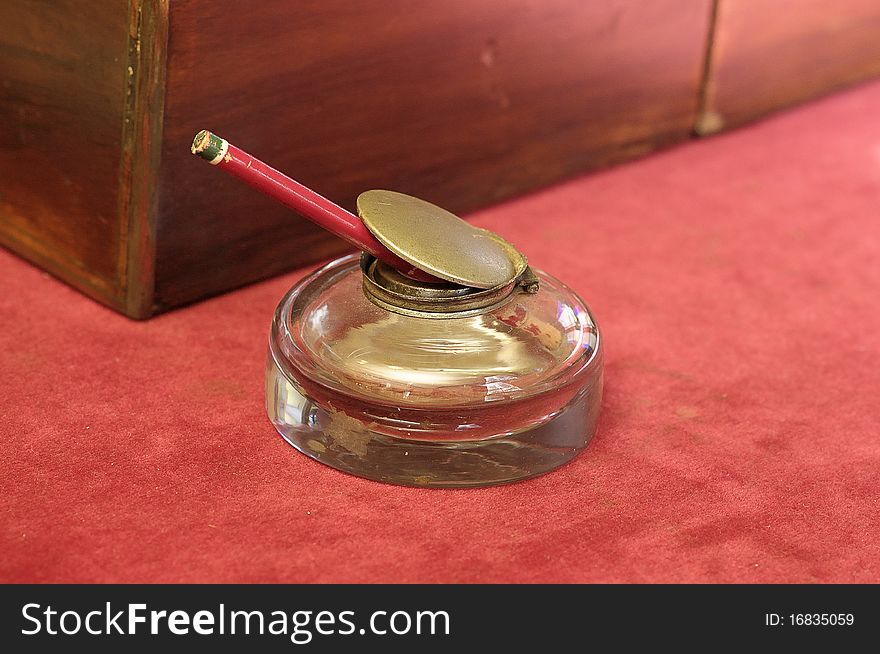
(736, 280)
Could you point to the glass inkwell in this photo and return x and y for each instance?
(436, 358)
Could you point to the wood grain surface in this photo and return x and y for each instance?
(767, 55)
(62, 82)
(463, 103)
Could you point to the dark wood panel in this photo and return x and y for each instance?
(141, 151)
(62, 66)
(771, 54)
(463, 103)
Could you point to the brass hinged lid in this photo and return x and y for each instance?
(439, 242)
(479, 269)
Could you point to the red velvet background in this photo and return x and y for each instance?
(737, 282)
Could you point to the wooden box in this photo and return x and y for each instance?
(766, 55)
(463, 102)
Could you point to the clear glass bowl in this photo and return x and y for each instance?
(452, 402)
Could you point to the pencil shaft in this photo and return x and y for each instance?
(303, 200)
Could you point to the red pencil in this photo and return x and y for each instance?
(303, 200)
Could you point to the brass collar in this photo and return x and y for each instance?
(387, 288)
